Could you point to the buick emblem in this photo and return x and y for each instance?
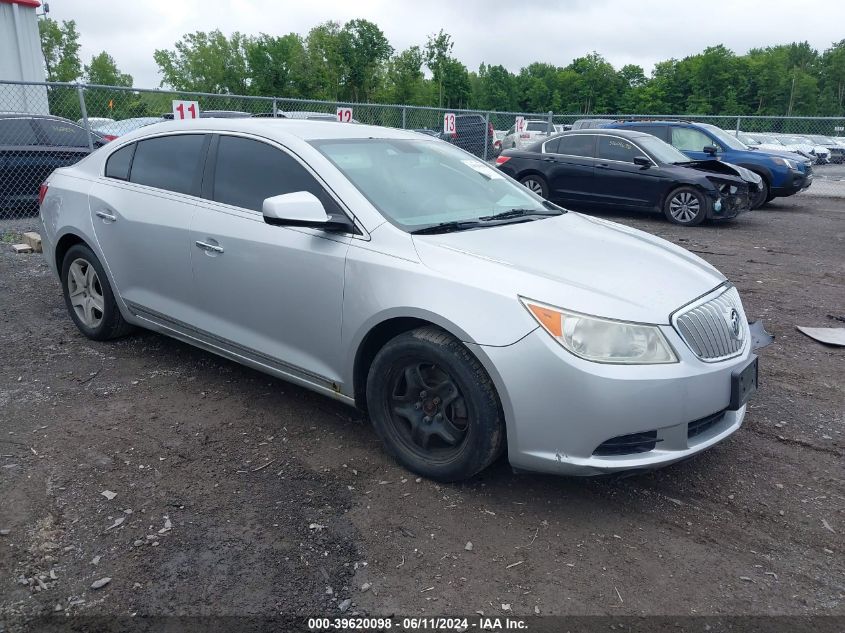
(734, 324)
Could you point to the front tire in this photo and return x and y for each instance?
(537, 184)
(89, 297)
(686, 206)
(762, 196)
(434, 406)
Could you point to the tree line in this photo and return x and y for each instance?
(355, 62)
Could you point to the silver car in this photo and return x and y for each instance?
(404, 276)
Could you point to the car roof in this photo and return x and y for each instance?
(304, 129)
(604, 130)
(29, 115)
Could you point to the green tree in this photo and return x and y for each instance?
(104, 71)
(598, 85)
(496, 89)
(324, 61)
(405, 77)
(277, 66)
(437, 51)
(60, 44)
(364, 49)
(205, 62)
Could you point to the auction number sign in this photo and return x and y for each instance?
(520, 124)
(344, 115)
(449, 123)
(185, 109)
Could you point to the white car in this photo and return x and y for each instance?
(535, 130)
(760, 141)
(800, 145)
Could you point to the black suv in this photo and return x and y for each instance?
(31, 147)
(471, 133)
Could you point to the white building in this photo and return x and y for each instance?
(21, 58)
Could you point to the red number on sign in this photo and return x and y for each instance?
(193, 110)
(181, 110)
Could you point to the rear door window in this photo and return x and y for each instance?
(577, 145)
(537, 126)
(169, 162)
(660, 131)
(618, 149)
(117, 166)
(63, 133)
(689, 139)
(248, 171)
(551, 146)
(17, 132)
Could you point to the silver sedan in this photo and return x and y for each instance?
(401, 275)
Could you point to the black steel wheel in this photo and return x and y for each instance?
(433, 405)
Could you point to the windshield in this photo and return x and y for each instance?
(796, 140)
(724, 138)
(661, 151)
(748, 140)
(537, 126)
(420, 183)
(770, 140)
(824, 140)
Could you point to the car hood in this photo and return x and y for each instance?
(577, 262)
(768, 152)
(727, 169)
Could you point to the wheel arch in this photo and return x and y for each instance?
(382, 331)
(63, 246)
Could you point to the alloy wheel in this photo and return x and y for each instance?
(86, 293)
(684, 207)
(533, 185)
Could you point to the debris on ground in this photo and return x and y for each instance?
(99, 584)
(827, 335)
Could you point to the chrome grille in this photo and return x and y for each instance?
(708, 329)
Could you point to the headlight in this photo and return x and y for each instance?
(603, 340)
(785, 161)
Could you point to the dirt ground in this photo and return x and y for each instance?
(239, 494)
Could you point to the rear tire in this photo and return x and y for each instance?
(537, 184)
(88, 296)
(686, 206)
(434, 406)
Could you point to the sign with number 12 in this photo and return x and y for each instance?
(185, 109)
(344, 115)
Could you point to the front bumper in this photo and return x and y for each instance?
(795, 182)
(562, 412)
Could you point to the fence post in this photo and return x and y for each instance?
(404, 113)
(550, 125)
(737, 126)
(275, 108)
(486, 135)
(84, 112)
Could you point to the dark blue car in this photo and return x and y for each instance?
(783, 173)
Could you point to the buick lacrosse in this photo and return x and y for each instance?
(399, 274)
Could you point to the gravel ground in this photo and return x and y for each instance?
(239, 494)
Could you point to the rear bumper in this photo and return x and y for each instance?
(569, 416)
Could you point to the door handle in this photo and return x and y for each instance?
(603, 165)
(549, 159)
(108, 217)
(209, 248)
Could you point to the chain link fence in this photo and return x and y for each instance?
(48, 125)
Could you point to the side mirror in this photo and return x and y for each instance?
(710, 149)
(301, 208)
(642, 161)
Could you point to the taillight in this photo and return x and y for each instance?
(109, 137)
(490, 129)
(42, 192)
(501, 160)
(454, 135)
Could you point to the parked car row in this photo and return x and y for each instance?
(818, 148)
(365, 262)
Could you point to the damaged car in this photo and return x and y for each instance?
(591, 168)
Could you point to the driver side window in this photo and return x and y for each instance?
(688, 139)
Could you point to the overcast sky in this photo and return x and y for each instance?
(512, 33)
